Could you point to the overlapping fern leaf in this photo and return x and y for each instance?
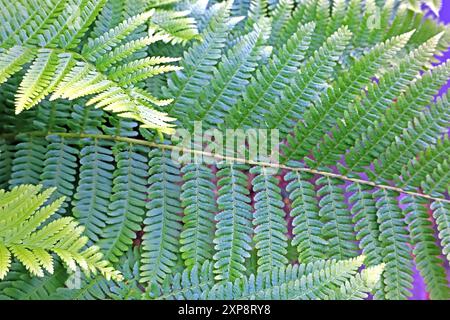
(68, 63)
(351, 89)
(28, 236)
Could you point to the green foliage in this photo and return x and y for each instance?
(69, 63)
(27, 235)
(353, 88)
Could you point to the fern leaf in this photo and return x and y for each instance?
(337, 99)
(421, 131)
(233, 233)
(176, 26)
(304, 282)
(127, 202)
(270, 225)
(12, 60)
(372, 106)
(383, 132)
(337, 221)
(28, 162)
(397, 277)
(197, 198)
(26, 236)
(356, 288)
(199, 61)
(271, 79)
(307, 226)
(99, 46)
(307, 84)
(441, 214)
(187, 285)
(279, 16)
(366, 225)
(231, 74)
(415, 172)
(91, 199)
(425, 250)
(162, 223)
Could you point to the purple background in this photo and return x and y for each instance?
(419, 291)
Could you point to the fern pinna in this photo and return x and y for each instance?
(92, 91)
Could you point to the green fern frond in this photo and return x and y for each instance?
(270, 226)
(303, 282)
(234, 233)
(176, 26)
(383, 132)
(371, 107)
(426, 251)
(397, 277)
(162, 224)
(365, 219)
(333, 103)
(307, 225)
(91, 200)
(187, 285)
(127, 202)
(197, 198)
(416, 171)
(232, 73)
(421, 131)
(270, 80)
(441, 214)
(25, 235)
(12, 60)
(199, 61)
(358, 287)
(307, 84)
(337, 227)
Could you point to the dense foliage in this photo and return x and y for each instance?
(92, 91)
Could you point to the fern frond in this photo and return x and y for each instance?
(176, 26)
(397, 277)
(337, 221)
(99, 46)
(358, 287)
(127, 202)
(187, 285)
(383, 132)
(12, 60)
(25, 236)
(416, 171)
(365, 222)
(304, 282)
(425, 250)
(19, 285)
(307, 226)
(333, 103)
(371, 107)
(162, 224)
(199, 61)
(421, 131)
(197, 198)
(234, 232)
(232, 73)
(307, 84)
(91, 200)
(279, 16)
(60, 168)
(28, 163)
(270, 80)
(441, 214)
(270, 226)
